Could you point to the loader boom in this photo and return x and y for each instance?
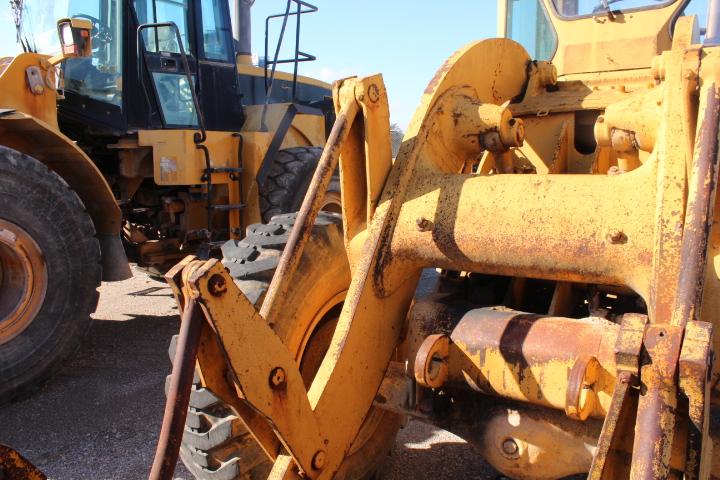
(572, 216)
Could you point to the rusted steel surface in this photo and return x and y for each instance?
(178, 397)
(618, 422)
(699, 216)
(529, 357)
(431, 362)
(694, 374)
(14, 466)
(657, 405)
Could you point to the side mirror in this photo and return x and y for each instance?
(75, 40)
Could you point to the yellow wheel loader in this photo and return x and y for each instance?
(562, 180)
(150, 135)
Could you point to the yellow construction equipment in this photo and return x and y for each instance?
(150, 134)
(567, 201)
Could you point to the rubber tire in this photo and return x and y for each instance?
(41, 202)
(289, 178)
(216, 445)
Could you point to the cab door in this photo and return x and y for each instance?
(162, 57)
(218, 89)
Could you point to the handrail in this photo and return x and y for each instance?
(299, 56)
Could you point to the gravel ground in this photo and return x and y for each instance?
(100, 417)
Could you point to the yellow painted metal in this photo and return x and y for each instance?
(603, 42)
(270, 380)
(45, 143)
(177, 161)
(244, 68)
(305, 130)
(606, 147)
(16, 94)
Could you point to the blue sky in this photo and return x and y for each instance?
(404, 40)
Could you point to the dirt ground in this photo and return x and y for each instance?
(100, 417)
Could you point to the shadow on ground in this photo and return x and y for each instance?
(424, 451)
(99, 418)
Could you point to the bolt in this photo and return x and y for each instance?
(277, 378)
(7, 236)
(374, 93)
(423, 224)
(509, 447)
(616, 236)
(318, 461)
(216, 285)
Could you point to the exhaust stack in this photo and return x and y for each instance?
(241, 28)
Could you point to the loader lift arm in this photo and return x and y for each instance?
(427, 216)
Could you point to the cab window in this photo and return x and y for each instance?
(529, 25)
(100, 76)
(157, 11)
(215, 31)
(583, 8)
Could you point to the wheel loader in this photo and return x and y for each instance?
(562, 182)
(151, 135)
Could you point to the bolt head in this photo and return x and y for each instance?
(616, 236)
(318, 461)
(510, 447)
(216, 285)
(277, 377)
(423, 224)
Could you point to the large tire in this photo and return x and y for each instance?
(49, 273)
(216, 444)
(288, 181)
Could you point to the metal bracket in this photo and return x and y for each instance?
(619, 416)
(268, 378)
(695, 367)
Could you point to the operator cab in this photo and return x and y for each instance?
(538, 24)
(108, 92)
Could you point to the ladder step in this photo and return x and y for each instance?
(225, 208)
(225, 170)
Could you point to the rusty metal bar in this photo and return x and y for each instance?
(310, 206)
(698, 219)
(614, 427)
(657, 405)
(14, 466)
(178, 398)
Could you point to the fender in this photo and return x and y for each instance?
(38, 139)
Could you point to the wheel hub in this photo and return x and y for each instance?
(23, 280)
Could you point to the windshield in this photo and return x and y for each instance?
(582, 8)
(98, 77)
(528, 24)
